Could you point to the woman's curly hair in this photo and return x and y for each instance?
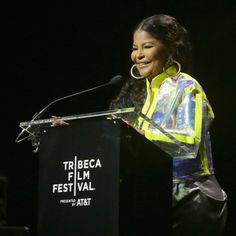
(132, 94)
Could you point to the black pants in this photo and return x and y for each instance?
(202, 212)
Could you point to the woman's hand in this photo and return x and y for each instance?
(58, 122)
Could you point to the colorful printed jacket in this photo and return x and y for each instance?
(178, 117)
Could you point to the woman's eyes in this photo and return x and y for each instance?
(148, 46)
(144, 47)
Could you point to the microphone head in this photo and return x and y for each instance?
(116, 80)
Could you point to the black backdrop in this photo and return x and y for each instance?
(58, 48)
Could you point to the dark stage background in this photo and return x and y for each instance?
(56, 49)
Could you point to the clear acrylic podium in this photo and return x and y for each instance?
(100, 177)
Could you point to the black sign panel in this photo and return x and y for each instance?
(79, 179)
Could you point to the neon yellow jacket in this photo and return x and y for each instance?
(176, 116)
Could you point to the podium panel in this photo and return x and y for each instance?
(97, 177)
(145, 187)
(78, 180)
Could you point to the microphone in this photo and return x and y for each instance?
(118, 79)
(114, 81)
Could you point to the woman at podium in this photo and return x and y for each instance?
(175, 114)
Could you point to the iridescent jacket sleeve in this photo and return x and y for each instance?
(178, 115)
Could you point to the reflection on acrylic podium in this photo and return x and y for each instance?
(100, 177)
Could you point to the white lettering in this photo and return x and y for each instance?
(68, 165)
(67, 200)
(62, 188)
(89, 163)
(85, 186)
(83, 175)
(70, 175)
(71, 165)
(83, 202)
(65, 165)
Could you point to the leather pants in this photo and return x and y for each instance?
(203, 211)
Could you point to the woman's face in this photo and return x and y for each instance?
(148, 54)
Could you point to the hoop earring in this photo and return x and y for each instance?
(170, 63)
(132, 73)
